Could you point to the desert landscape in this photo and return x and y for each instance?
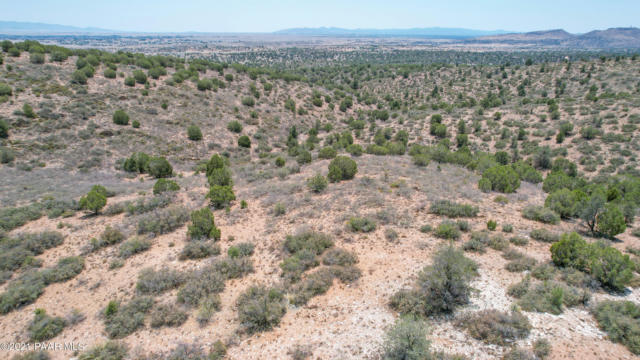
(299, 196)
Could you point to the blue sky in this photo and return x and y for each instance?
(271, 15)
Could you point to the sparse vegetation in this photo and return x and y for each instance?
(260, 308)
(441, 287)
(496, 327)
(621, 321)
(127, 318)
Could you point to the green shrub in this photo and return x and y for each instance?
(139, 76)
(520, 264)
(407, 340)
(421, 159)
(232, 268)
(204, 84)
(4, 129)
(111, 236)
(128, 318)
(497, 242)
(544, 272)
(241, 250)
(133, 246)
(120, 118)
(5, 90)
(491, 225)
(342, 168)
(234, 126)
(503, 178)
(137, 162)
(22, 291)
(557, 180)
(304, 157)
(484, 185)
(200, 285)
(314, 284)
(194, 133)
(221, 176)
(338, 256)
(527, 172)
(260, 308)
(541, 214)
(159, 167)
(203, 225)
(162, 221)
(475, 245)
(27, 110)
(248, 101)
(142, 205)
(20, 250)
(163, 185)
(572, 251)
(607, 264)
(361, 224)
(354, 149)
(327, 153)
(280, 162)
(611, 221)
(110, 350)
(129, 81)
(544, 235)
(519, 241)
(447, 230)
(441, 287)
(452, 209)
(244, 141)
(167, 315)
(109, 73)
(198, 250)
(220, 196)
(304, 249)
(44, 327)
(94, 201)
(551, 297)
(496, 327)
(541, 348)
(317, 183)
(215, 162)
(564, 202)
(621, 321)
(208, 306)
(312, 241)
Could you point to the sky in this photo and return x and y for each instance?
(575, 16)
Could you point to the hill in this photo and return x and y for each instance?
(614, 38)
(157, 207)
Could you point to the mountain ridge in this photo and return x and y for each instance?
(620, 37)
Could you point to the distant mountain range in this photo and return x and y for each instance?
(613, 38)
(34, 28)
(431, 32)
